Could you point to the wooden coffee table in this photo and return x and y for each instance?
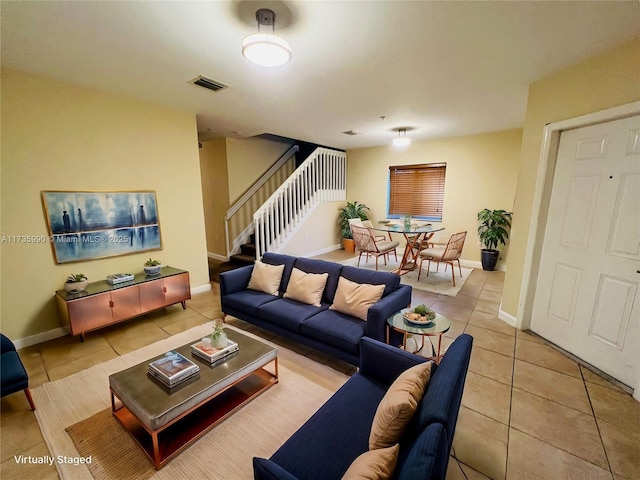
(164, 422)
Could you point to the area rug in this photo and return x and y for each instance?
(437, 282)
(81, 403)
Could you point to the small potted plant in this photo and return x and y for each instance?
(152, 267)
(76, 282)
(493, 229)
(351, 210)
(420, 314)
(218, 337)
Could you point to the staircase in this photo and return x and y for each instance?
(322, 177)
(247, 253)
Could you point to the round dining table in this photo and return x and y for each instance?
(417, 236)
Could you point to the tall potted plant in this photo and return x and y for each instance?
(493, 229)
(351, 210)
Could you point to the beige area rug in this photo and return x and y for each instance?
(258, 429)
(437, 282)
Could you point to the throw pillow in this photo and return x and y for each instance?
(266, 278)
(354, 299)
(374, 464)
(398, 406)
(306, 287)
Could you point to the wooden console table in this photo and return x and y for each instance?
(102, 304)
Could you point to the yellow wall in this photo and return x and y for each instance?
(57, 136)
(481, 173)
(599, 83)
(247, 160)
(215, 192)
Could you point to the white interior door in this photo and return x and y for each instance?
(587, 297)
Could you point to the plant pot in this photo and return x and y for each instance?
(76, 287)
(152, 270)
(349, 245)
(220, 341)
(489, 259)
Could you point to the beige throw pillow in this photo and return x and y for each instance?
(266, 278)
(374, 465)
(398, 406)
(354, 299)
(306, 287)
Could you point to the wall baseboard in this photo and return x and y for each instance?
(217, 256)
(201, 289)
(40, 337)
(507, 317)
(322, 251)
(475, 264)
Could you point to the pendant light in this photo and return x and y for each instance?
(266, 49)
(401, 140)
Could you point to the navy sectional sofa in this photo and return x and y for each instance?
(318, 327)
(326, 445)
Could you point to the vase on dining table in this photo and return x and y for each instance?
(407, 222)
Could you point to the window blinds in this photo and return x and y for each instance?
(417, 190)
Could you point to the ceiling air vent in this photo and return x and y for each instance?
(208, 83)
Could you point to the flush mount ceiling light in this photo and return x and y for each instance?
(266, 49)
(401, 140)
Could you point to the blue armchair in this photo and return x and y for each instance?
(14, 377)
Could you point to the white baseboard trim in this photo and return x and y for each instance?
(322, 251)
(475, 264)
(507, 317)
(217, 256)
(201, 289)
(40, 337)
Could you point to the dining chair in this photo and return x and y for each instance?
(447, 255)
(367, 224)
(365, 243)
(13, 376)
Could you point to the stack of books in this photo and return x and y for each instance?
(213, 355)
(173, 369)
(118, 278)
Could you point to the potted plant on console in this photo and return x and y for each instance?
(351, 210)
(152, 267)
(493, 229)
(76, 282)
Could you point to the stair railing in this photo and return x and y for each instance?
(251, 191)
(322, 177)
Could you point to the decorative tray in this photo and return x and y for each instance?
(416, 319)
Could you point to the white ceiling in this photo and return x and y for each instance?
(438, 69)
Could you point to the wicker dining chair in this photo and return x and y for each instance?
(447, 255)
(365, 243)
(367, 224)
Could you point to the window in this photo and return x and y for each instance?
(417, 190)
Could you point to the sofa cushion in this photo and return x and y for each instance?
(335, 435)
(309, 265)
(391, 281)
(280, 259)
(336, 329)
(427, 457)
(355, 298)
(247, 301)
(306, 287)
(398, 406)
(374, 465)
(288, 313)
(266, 278)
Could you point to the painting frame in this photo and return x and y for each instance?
(90, 224)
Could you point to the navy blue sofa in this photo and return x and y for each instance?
(325, 446)
(318, 327)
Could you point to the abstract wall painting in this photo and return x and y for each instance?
(86, 225)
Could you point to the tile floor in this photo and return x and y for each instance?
(528, 411)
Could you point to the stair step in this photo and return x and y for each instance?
(241, 259)
(248, 249)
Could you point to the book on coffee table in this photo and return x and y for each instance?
(211, 354)
(173, 368)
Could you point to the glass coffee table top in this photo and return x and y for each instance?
(440, 324)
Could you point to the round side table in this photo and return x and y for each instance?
(437, 328)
